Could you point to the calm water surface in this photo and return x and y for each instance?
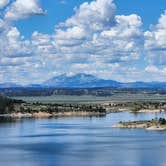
(79, 141)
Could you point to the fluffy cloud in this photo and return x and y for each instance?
(151, 69)
(94, 40)
(3, 3)
(94, 16)
(156, 73)
(13, 44)
(23, 8)
(94, 33)
(17, 57)
(155, 42)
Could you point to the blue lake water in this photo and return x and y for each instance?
(81, 141)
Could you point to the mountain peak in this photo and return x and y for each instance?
(80, 80)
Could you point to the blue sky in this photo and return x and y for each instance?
(123, 40)
(149, 10)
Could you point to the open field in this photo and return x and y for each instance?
(64, 99)
(94, 99)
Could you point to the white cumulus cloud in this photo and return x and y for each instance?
(23, 8)
(155, 42)
(3, 3)
(93, 40)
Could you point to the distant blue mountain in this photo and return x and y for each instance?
(79, 81)
(9, 85)
(34, 86)
(144, 85)
(82, 80)
(89, 81)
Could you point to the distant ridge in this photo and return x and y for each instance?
(9, 85)
(82, 80)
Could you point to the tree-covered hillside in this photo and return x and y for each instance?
(7, 105)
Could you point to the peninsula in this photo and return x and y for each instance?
(20, 109)
(154, 124)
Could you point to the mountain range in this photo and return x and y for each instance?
(82, 80)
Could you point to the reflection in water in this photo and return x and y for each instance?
(80, 141)
(7, 119)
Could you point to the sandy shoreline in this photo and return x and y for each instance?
(49, 115)
(160, 128)
(150, 111)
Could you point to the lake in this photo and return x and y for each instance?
(80, 141)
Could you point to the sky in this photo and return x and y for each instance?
(123, 40)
